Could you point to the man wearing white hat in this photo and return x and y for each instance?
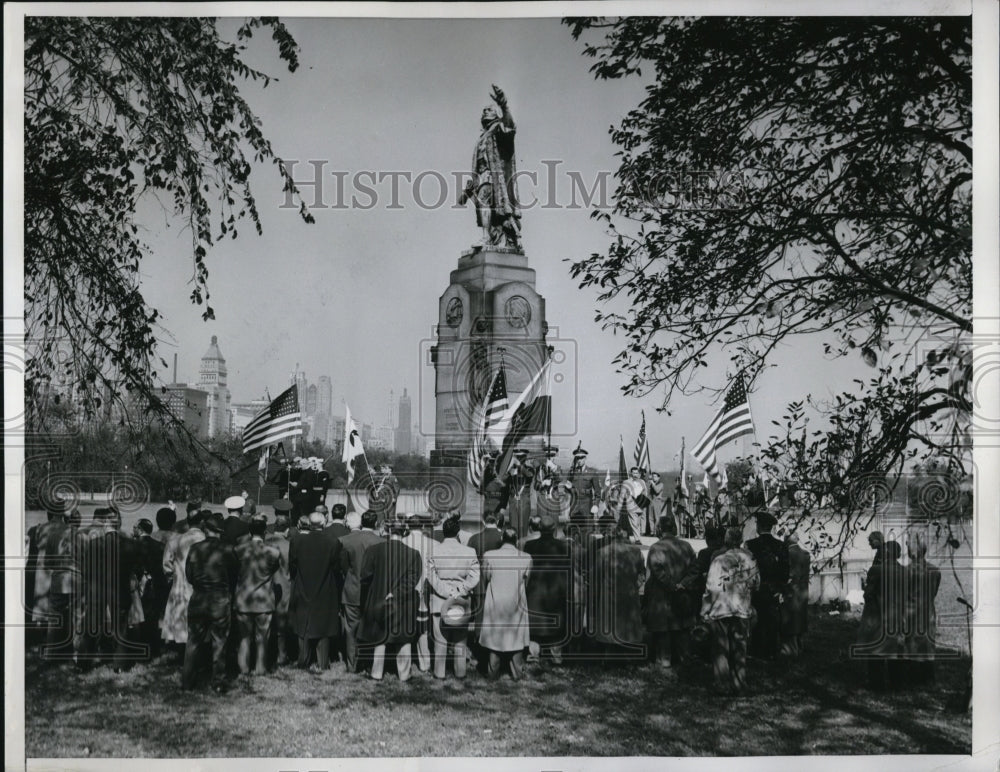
(236, 526)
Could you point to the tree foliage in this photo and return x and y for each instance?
(797, 179)
(117, 109)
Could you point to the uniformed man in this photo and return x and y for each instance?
(517, 491)
(322, 484)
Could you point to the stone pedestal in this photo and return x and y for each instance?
(490, 309)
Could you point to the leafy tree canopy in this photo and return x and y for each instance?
(791, 176)
(115, 109)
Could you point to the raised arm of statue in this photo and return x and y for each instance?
(491, 186)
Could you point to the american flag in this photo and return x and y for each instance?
(494, 408)
(642, 447)
(278, 420)
(733, 420)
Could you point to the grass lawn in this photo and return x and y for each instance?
(815, 704)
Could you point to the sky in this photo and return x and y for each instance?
(355, 295)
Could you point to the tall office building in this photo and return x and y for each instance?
(403, 437)
(212, 378)
(310, 400)
(324, 396)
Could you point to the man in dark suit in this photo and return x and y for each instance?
(389, 599)
(354, 546)
(771, 556)
(153, 584)
(282, 581)
(488, 538)
(212, 569)
(314, 565)
(109, 569)
(337, 527)
(548, 590)
(255, 596)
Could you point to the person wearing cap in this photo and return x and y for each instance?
(794, 610)
(771, 555)
(669, 600)
(181, 526)
(517, 483)
(314, 564)
(174, 626)
(212, 569)
(727, 607)
(237, 526)
(452, 575)
(308, 495)
(548, 590)
(278, 539)
(504, 631)
(619, 574)
(586, 486)
(419, 538)
(255, 595)
(354, 546)
(321, 485)
(390, 572)
(153, 585)
(282, 508)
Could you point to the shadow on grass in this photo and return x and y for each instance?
(815, 704)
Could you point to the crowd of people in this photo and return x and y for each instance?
(249, 592)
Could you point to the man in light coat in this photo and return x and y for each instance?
(452, 572)
(505, 628)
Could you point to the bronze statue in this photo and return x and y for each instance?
(492, 186)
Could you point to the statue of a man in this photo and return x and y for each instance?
(492, 187)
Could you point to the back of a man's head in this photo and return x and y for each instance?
(165, 518)
(339, 512)
(666, 526)
(490, 518)
(258, 525)
(733, 538)
(534, 523)
(369, 519)
(452, 526)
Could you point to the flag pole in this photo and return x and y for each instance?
(767, 498)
